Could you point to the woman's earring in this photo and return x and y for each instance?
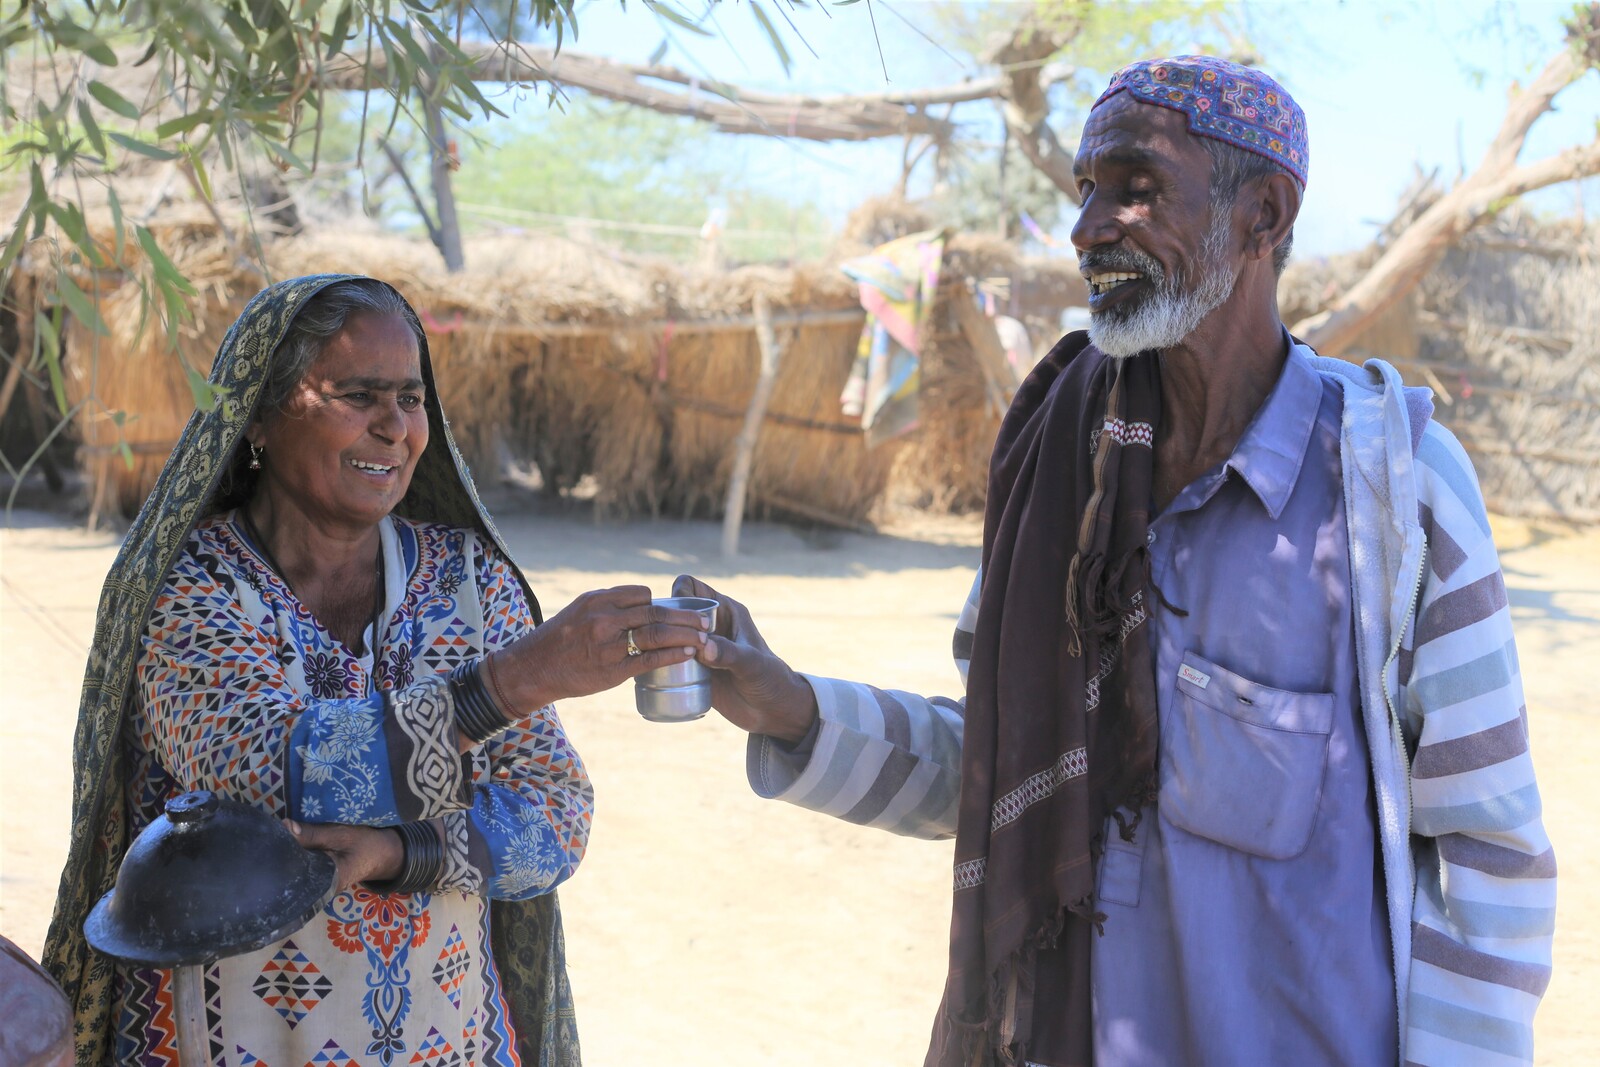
(255, 457)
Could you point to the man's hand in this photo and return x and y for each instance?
(583, 648)
(360, 853)
(751, 687)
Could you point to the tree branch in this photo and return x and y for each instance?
(417, 202)
(1418, 248)
(731, 109)
(1024, 103)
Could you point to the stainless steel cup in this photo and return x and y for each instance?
(681, 692)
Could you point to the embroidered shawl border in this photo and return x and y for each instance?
(1123, 433)
(970, 873)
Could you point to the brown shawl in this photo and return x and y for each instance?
(1061, 710)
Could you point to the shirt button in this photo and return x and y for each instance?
(1150, 537)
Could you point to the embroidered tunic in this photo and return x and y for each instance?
(244, 692)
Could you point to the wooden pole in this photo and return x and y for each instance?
(999, 377)
(24, 353)
(9, 387)
(744, 448)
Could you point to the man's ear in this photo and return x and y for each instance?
(1274, 206)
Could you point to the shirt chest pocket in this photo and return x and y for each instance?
(1242, 764)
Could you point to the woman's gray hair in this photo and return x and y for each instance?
(323, 316)
(1231, 168)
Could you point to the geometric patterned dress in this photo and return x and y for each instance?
(243, 692)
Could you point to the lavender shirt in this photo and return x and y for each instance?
(1246, 922)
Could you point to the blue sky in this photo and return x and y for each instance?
(1385, 86)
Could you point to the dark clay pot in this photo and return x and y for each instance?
(210, 878)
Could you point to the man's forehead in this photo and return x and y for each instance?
(1124, 130)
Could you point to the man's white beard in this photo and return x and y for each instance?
(1169, 315)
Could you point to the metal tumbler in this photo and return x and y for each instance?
(681, 692)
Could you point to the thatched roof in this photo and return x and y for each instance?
(632, 371)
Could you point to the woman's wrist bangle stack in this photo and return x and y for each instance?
(423, 864)
(476, 716)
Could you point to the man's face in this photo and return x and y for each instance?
(1156, 258)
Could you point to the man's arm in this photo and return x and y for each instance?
(877, 757)
(1485, 903)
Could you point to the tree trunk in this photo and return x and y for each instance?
(1024, 104)
(443, 162)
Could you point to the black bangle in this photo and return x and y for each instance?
(476, 715)
(423, 864)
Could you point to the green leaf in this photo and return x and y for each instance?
(659, 54)
(677, 18)
(38, 199)
(70, 219)
(14, 243)
(50, 349)
(15, 35)
(285, 154)
(418, 54)
(143, 148)
(100, 52)
(184, 123)
(202, 177)
(772, 34)
(165, 269)
(241, 28)
(340, 33)
(79, 304)
(113, 100)
(448, 102)
(205, 394)
(116, 218)
(91, 128)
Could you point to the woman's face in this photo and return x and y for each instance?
(342, 448)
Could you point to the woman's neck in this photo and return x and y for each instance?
(310, 555)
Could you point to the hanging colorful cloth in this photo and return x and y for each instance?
(897, 282)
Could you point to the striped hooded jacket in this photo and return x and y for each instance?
(1468, 870)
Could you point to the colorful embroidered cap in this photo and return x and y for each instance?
(1225, 101)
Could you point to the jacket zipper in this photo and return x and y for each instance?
(1395, 723)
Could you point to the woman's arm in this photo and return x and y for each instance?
(532, 805)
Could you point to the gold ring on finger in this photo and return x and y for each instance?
(633, 647)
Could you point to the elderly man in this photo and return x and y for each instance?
(1241, 775)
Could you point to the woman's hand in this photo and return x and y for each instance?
(751, 687)
(584, 648)
(360, 853)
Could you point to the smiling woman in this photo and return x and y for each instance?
(276, 630)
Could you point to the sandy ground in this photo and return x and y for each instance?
(706, 925)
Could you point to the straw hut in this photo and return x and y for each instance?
(627, 377)
(1504, 331)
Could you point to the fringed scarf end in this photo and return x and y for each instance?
(1084, 909)
(1074, 611)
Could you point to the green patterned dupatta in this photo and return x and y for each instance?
(526, 935)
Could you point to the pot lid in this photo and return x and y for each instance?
(210, 878)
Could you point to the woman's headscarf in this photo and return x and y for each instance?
(526, 935)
